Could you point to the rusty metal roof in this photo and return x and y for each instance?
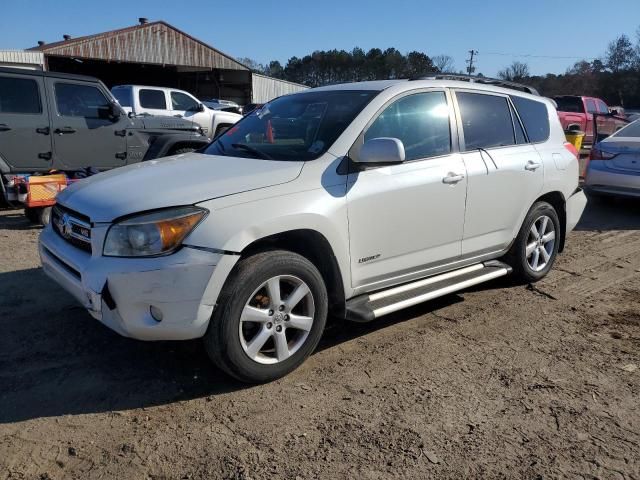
(154, 43)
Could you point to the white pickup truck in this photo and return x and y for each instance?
(141, 100)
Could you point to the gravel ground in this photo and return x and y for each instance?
(500, 381)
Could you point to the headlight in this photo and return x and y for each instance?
(150, 234)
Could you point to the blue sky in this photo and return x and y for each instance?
(266, 30)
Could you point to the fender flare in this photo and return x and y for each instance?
(164, 143)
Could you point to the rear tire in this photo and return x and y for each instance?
(535, 249)
(270, 317)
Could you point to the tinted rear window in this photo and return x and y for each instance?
(19, 95)
(631, 130)
(535, 117)
(486, 121)
(153, 99)
(569, 104)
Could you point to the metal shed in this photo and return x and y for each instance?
(22, 59)
(264, 89)
(151, 53)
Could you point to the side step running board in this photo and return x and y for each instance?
(368, 307)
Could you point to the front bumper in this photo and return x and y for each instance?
(604, 180)
(119, 292)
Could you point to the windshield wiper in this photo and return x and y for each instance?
(255, 151)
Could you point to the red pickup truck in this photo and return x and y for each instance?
(580, 111)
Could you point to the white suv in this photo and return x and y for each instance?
(353, 200)
(162, 101)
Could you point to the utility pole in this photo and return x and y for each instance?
(471, 68)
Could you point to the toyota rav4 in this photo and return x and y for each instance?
(353, 200)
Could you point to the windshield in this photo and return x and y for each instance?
(569, 104)
(294, 127)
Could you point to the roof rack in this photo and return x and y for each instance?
(484, 80)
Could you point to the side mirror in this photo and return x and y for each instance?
(382, 150)
(114, 111)
(200, 107)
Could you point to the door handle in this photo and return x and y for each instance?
(453, 178)
(532, 166)
(64, 130)
(4, 127)
(43, 130)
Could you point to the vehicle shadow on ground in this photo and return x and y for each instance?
(55, 359)
(609, 213)
(15, 220)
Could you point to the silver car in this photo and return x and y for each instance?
(614, 165)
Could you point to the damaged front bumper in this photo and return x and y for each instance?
(181, 288)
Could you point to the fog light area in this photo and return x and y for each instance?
(156, 313)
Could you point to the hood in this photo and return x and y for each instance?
(173, 181)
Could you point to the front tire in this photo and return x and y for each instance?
(536, 247)
(270, 316)
(38, 215)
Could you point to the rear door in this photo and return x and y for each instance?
(152, 101)
(594, 121)
(608, 123)
(84, 135)
(505, 172)
(25, 140)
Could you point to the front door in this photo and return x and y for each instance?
(407, 218)
(505, 172)
(84, 134)
(185, 106)
(25, 140)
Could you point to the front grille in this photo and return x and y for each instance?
(73, 227)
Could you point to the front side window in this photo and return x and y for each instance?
(123, 95)
(19, 95)
(420, 121)
(295, 127)
(591, 106)
(154, 99)
(602, 107)
(535, 117)
(486, 121)
(181, 101)
(74, 100)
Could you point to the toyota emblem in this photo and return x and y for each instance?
(65, 226)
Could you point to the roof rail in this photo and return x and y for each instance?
(484, 80)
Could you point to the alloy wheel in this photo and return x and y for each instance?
(540, 243)
(276, 320)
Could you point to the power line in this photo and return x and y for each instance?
(529, 55)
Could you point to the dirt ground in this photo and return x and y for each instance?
(501, 381)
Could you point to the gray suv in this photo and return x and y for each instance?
(52, 120)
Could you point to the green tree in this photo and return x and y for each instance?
(620, 54)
